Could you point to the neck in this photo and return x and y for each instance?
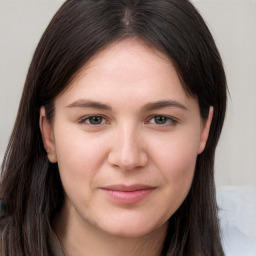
(80, 238)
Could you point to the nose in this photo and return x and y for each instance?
(127, 150)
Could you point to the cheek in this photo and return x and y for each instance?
(176, 160)
(176, 151)
(79, 157)
(179, 169)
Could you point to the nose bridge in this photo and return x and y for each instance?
(127, 150)
(131, 144)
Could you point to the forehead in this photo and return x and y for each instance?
(128, 67)
(124, 53)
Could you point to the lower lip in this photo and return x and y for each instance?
(128, 197)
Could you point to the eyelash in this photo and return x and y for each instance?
(87, 118)
(168, 121)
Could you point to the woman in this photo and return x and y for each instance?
(112, 152)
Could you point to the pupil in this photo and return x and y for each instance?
(160, 119)
(95, 120)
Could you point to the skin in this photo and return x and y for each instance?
(148, 133)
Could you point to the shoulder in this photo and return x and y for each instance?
(4, 224)
(8, 233)
(55, 244)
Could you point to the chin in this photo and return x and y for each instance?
(132, 229)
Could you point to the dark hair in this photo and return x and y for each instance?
(31, 185)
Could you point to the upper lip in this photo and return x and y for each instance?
(128, 188)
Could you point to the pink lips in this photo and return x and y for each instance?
(128, 194)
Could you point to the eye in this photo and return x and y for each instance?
(94, 120)
(162, 120)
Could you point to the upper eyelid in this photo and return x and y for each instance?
(163, 115)
(84, 118)
(170, 123)
(107, 119)
(91, 115)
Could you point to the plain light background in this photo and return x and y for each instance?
(233, 25)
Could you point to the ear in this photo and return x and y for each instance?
(205, 131)
(47, 136)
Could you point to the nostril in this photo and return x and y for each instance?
(128, 158)
(127, 151)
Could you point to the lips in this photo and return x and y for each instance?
(128, 188)
(128, 194)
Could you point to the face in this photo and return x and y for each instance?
(126, 137)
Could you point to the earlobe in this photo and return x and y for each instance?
(205, 131)
(47, 136)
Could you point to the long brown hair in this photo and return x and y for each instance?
(31, 185)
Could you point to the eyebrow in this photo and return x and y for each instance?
(163, 104)
(83, 103)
